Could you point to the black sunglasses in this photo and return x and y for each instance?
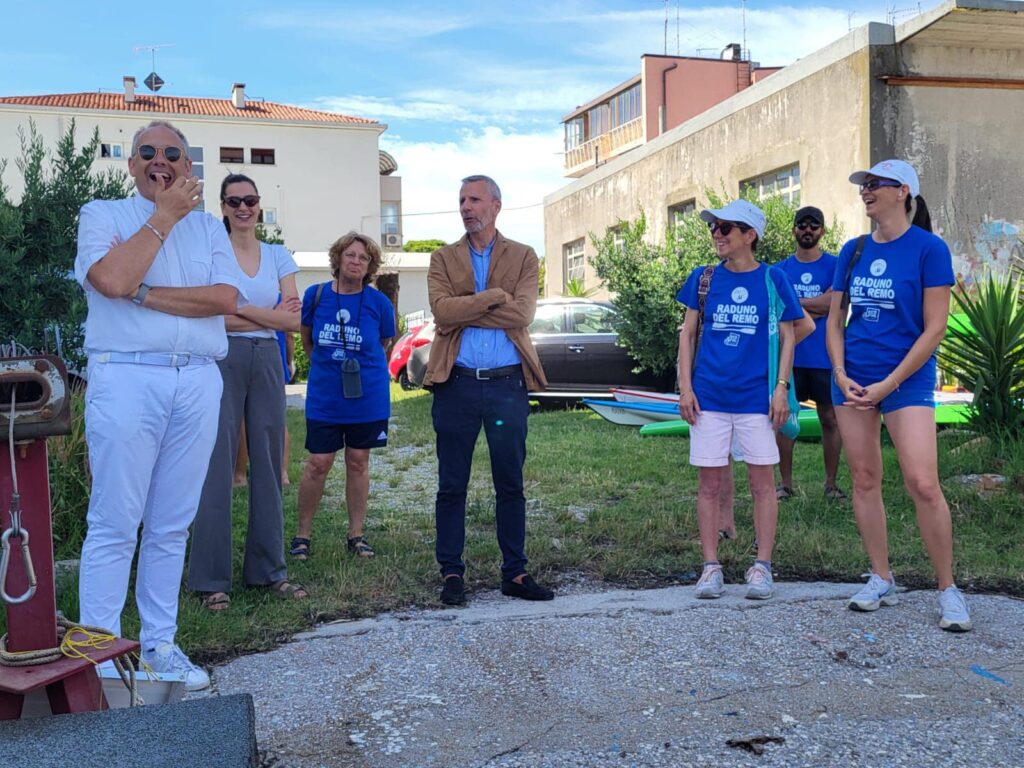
(872, 184)
(148, 152)
(725, 227)
(251, 201)
(803, 226)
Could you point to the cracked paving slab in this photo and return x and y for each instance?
(646, 678)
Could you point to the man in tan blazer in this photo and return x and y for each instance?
(483, 293)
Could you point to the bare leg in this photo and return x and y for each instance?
(913, 433)
(311, 490)
(785, 458)
(242, 459)
(709, 488)
(861, 432)
(357, 488)
(766, 507)
(727, 504)
(831, 442)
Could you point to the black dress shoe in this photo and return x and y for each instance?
(454, 591)
(528, 590)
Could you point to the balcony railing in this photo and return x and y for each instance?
(588, 155)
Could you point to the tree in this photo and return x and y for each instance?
(270, 234)
(423, 246)
(645, 277)
(39, 240)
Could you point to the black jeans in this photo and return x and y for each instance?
(461, 405)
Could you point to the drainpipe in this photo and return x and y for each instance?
(664, 98)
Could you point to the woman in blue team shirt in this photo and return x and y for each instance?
(729, 393)
(884, 365)
(348, 395)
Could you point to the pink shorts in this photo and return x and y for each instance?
(714, 433)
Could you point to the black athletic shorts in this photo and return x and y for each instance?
(813, 384)
(324, 437)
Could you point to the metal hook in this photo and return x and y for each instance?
(5, 562)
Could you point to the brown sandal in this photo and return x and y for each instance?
(288, 590)
(216, 601)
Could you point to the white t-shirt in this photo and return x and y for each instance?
(262, 290)
(197, 252)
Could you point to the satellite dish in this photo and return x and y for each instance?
(154, 82)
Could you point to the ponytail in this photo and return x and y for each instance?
(917, 210)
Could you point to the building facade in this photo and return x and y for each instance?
(319, 174)
(944, 91)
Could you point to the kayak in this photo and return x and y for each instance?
(946, 415)
(642, 396)
(634, 414)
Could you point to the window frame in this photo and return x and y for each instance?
(228, 160)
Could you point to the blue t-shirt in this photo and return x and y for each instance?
(731, 375)
(365, 319)
(887, 303)
(810, 279)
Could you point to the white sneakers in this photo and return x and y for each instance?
(167, 657)
(956, 616)
(876, 593)
(711, 584)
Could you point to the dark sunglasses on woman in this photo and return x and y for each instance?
(725, 227)
(872, 184)
(251, 201)
(171, 154)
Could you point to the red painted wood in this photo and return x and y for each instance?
(10, 705)
(82, 692)
(33, 624)
(24, 679)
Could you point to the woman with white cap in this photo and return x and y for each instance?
(724, 386)
(896, 283)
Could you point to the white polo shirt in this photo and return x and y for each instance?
(197, 252)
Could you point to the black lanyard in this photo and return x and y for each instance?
(344, 327)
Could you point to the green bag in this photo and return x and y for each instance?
(791, 427)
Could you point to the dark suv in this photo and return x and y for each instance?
(576, 341)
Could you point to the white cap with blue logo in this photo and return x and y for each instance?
(742, 211)
(896, 170)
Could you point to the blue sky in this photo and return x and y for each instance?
(464, 87)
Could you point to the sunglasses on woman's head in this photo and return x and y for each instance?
(725, 227)
(172, 154)
(251, 201)
(872, 184)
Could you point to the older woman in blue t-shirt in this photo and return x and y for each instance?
(727, 393)
(348, 397)
(897, 283)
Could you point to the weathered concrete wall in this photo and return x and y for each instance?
(966, 145)
(814, 113)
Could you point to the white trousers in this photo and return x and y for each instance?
(150, 430)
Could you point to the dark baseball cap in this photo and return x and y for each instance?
(809, 212)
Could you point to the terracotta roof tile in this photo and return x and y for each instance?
(183, 105)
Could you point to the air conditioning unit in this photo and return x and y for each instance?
(392, 240)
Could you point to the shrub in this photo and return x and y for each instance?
(645, 277)
(69, 482)
(987, 354)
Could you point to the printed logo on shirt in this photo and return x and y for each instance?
(732, 340)
(343, 316)
(805, 289)
(875, 291)
(382, 436)
(330, 336)
(806, 278)
(737, 317)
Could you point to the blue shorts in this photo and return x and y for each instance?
(900, 398)
(324, 437)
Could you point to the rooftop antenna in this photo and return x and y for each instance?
(743, 53)
(666, 29)
(153, 81)
(677, 27)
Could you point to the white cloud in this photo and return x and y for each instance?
(526, 166)
(363, 24)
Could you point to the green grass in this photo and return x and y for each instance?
(602, 502)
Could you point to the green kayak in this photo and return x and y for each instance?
(946, 414)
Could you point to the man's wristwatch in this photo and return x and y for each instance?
(140, 295)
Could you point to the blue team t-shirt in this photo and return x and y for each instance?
(887, 303)
(348, 325)
(731, 375)
(810, 279)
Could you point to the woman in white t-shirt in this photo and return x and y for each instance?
(253, 394)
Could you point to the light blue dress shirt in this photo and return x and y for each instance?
(485, 347)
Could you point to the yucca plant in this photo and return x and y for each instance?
(987, 353)
(577, 289)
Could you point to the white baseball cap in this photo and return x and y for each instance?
(897, 170)
(741, 211)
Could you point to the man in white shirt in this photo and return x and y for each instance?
(158, 277)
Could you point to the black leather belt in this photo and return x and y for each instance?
(484, 374)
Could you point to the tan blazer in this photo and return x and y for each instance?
(509, 302)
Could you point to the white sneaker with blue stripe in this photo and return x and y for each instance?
(956, 616)
(876, 593)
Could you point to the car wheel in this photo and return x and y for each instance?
(404, 381)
